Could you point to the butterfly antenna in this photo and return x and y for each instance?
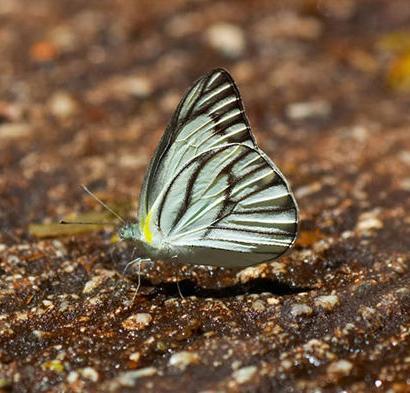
(84, 223)
(102, 203)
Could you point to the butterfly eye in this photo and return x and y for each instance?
(123, 232)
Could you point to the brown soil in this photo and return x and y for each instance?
(86, 90)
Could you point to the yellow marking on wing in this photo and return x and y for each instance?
(146, 230)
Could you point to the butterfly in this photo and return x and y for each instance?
(210, 195)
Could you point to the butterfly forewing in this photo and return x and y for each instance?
(211, 114)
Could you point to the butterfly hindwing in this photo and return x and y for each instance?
(229, 198)
(210, 114)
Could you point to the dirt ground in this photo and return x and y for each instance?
(86, 90)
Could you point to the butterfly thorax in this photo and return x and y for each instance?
(156, 247)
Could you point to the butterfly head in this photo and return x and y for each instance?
(129, 232)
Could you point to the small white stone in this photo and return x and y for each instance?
(62, 105)
(258, 306)
(405, 184)
(286, 364)
(132, 160)
(273, 301)
(340, 368)
(244, 374)
(300, 309)
(278, 267)
(404, 156)
(137, 321)
(97, 280)
(14, 130)
(309, 189)
(135, 356)
(72, 377)
(92, 284)
(236, 364)
(39, 334)
(183, 359)
(368, 222)
(328, 302)
(251, 273)
(128, 378)
(89, 373)
(306, 110)
(59, 248)
(21, 316)
(135, 86)
(226, 38)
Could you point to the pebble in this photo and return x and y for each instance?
(258, 306)
(308, 189)
(289, 25)
(136, 86)
(368, 222)
(236, 364)
(128, 378)
(244, 374)
(39, 334)
(327, 302)
(308, 110)
(300, 309)
(370, 316)
(62, 105)
(137, 321)
(14, 130)
(405, 184)
(89, 373)
(278, 268)
(135, 357)
(183, 359)
(340, 368)
(404, 156)
(286, 364)
(92, 284)
(273, 301)
(313, 344)
(72, 377)
(11, 112)
(251, 273)
(227, 39)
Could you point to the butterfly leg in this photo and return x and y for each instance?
(139, 279)
(179, 288)
(179, 291)
(137, 261)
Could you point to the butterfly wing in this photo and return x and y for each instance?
(210, 114)
(228, 206)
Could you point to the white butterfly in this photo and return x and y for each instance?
(210, 195)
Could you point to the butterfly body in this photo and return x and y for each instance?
(210, 195)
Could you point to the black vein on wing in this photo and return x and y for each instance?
(276, 181)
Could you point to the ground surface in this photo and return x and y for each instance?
(86, 89)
